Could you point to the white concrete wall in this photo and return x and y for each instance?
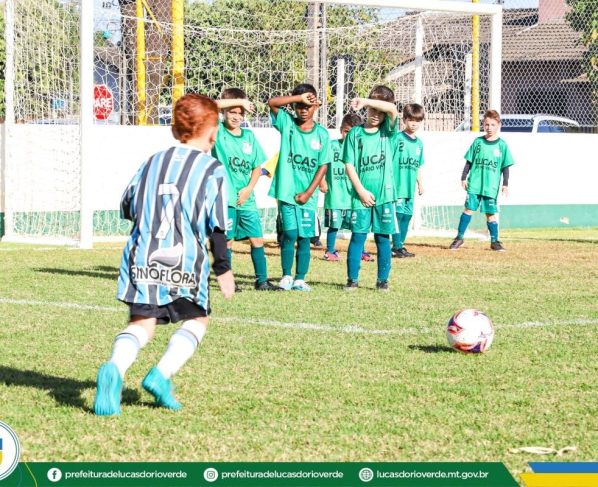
(550, 168)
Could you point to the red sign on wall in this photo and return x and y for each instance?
(103, 102)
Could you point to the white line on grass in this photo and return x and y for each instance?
(299, 326)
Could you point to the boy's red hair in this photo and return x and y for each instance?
(193, 115)
(492, 114)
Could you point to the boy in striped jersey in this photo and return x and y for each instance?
(241, 153)
(177, 202)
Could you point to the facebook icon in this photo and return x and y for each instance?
(54, 474)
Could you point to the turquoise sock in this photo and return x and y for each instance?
(331, 239)
(493, 229)
(397, 243)
(403, 229)
(354, 255)
(287, 251)
(384, 256)
(258, 257)
(463, 224)
(229, 254)
(303, 257)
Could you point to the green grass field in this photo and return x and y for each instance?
(324, 376)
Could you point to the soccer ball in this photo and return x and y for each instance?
(470, 331)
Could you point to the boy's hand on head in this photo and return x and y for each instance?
(248, 106)
(464, 185)
(505, 191)
(226, 282)
(358, 103)
(309, 99)
(302, 198)
(242, 196)
(367, 199)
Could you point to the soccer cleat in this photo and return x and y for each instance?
(456, 244)
(109, 385)
(317, 244)
(497, 246)
(286, 283)
(367, 257)
(402, 253)
(331, 256)
(382, 286)
(266, 286)
(300, 285)
(161, 388)
(351, 285)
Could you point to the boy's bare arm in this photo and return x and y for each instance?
(245, 192)
(280, 101)
(382, 106)
(365, 196)
(236, 102)
(304, 197)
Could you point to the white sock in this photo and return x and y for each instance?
(181, 347)
(126, 347)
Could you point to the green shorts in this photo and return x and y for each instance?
(243, 224)
(337, 219)
(405, 206)
(295, 217)
(378, 219)
(485, 203)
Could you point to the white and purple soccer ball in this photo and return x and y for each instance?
(470, 331)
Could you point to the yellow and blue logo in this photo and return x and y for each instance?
(9, 450)
(561, 474)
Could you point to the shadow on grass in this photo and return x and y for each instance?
(64, 390)
(102, 271)
(431, 348)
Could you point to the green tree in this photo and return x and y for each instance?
(583, 17)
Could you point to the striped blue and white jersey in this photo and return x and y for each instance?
(175, 201)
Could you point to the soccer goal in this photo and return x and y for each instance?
(54, 171)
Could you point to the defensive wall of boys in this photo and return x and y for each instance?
(552, 184)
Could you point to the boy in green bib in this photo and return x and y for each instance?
(487, 160)
(302, 164)
(409, 158)
(368, 156)
(337, 202)
(241, 154)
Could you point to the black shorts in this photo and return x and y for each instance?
(180, 310)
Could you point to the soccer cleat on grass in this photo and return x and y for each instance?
(456, 244)
(367, 257)
(266, 286)
(351, 285)
(382, 286)
(109, 386)
(286, 283)
(402, 253)
(317, 244)
(497, 246)
(161, 388)
(331, 256)
(300, 285)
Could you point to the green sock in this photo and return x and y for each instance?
(229, 254)
(303, 257)
(383, 246)
(287, 251)
(258, 257)
(354, 255)
(403, 229)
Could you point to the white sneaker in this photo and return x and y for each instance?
(286, 283)
(301, 285)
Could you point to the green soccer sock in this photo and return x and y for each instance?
(384, 256)
(463, 224)
(354, 255)
(403, 228)
(303, 258)
(287, 251)
(229, 254)
(331, 239)
(493, 229)
(397, 241)
(258, 257)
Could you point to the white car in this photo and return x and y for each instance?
(531, 123)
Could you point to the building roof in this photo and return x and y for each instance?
(553, 40)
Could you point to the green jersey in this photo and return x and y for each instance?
(240, 154)
(338, 196)
(488, 159)
(372, 156)
(409, 157)
(301, 155)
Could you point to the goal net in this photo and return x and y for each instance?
(419, 49)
